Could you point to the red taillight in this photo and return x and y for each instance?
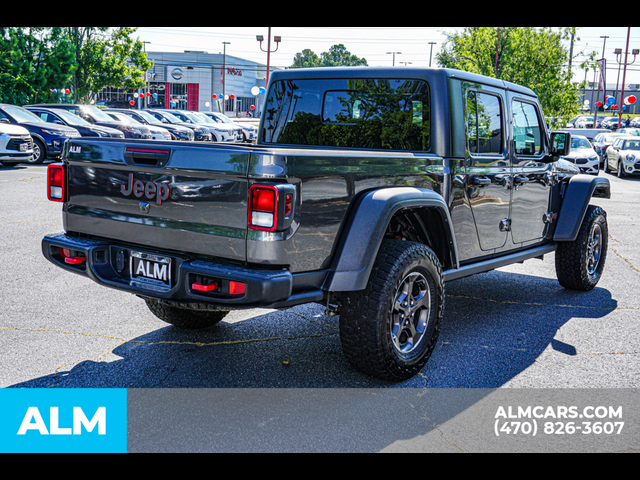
(263, 208)
(264, 199)
(56, 182)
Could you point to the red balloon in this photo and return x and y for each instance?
(132, 103)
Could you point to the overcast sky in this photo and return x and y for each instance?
(373, 43)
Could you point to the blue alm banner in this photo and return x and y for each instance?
(63, 421)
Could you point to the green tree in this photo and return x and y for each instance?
(337, 56)
(34, 62)
(107, 56)
(529, 56)
(306, 59)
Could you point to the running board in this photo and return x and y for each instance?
(495, 263)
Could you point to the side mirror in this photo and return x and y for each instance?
(560, 144)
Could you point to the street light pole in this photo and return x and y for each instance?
(624, 78)
(224, 77)
(268, 51)
(431, 57)
(394, 56)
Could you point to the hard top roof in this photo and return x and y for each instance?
(395, 72)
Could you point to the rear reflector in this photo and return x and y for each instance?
(288, 206)
(56, 182)
(237, 288)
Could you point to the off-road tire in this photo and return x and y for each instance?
(578, 265)
(186, 317)
(367, 318)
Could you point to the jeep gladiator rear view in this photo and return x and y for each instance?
(368, 190)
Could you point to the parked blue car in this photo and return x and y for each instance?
(49, 139)
(64, 117)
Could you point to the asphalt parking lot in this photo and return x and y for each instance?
(513, 328)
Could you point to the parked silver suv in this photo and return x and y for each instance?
(16, 144)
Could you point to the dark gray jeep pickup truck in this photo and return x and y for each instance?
(369, 190)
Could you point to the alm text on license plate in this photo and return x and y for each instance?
(151, 271)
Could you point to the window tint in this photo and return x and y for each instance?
(526, 129)
(364, 113)
(485, 132)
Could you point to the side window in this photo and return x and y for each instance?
(485, 130)
(527, 130)
(44, 116)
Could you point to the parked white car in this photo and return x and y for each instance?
(16, 144)
(584, 156)
(249, 131)
(623, 157)
(221, 133)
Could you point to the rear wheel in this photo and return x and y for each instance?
(390, 330)
(186, 317)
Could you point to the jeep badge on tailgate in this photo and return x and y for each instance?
(150, 190)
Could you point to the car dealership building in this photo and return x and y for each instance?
(190, 80)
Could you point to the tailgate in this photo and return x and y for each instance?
(168, 196)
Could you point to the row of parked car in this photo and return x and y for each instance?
(35, 133)
(607, 122)
(617, 152)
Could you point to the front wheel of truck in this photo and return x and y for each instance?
(186, 317)
(390, 330)
(580, 264)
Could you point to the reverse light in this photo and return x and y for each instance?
(56, 180)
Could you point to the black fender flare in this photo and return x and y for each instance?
(576, 199)
(364, 230)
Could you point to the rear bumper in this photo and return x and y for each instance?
(108, 264)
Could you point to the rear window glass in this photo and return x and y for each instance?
(364, 114)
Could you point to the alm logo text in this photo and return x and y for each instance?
(34, 422)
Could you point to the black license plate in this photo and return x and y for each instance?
(151, 271)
